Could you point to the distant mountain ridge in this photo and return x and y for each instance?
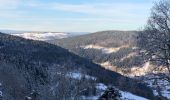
(42, 36)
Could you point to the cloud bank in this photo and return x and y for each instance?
(81, 16)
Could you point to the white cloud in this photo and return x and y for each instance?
(98, 16)
(9, 4)
(114, 9)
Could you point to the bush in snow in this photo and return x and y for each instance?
(110, 94)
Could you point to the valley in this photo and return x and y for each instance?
(112, 50)
(43, 68)
(85, 50)
(116, 51)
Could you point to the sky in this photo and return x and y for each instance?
(74, 15)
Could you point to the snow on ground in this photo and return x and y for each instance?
(104, 50)
(125, 95)
(130, 96)
(101, 86)
(42, 36)
(142, 72)
(132, 54)
(77, 75)
(45, 36)
(89, 98)
(1, 90)
(155, 82)
(134, 71)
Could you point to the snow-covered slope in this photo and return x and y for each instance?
(124, 95)
(100, 87)
(158, 83)
(130, 96)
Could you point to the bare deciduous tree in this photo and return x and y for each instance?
(155, 39)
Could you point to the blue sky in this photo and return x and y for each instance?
(74, 15)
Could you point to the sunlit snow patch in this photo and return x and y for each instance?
(104, 50)
(77, 75)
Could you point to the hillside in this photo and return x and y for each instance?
(36, 69)
(109, 48)
(113, 50)
(117, 51)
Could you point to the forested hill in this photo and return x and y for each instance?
(118, 48)
(103, 38)
(48, 71)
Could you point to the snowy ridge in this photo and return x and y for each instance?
(42, 36)
(46, 36)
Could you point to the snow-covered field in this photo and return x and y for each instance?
(104, 50)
